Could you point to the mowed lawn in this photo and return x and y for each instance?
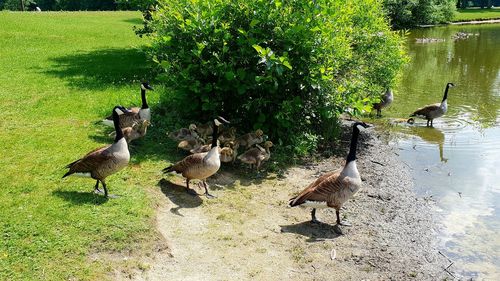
(476, 14)
(60, 73)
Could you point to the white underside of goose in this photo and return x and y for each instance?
(108, 123)
(314, 204)
(145, 114)
(83, 175)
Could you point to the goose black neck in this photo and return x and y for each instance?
(143, 97)
(118, 130)
(215, 134)
(446, 93)
(354, 144)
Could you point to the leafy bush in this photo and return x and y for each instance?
(406, 14)
(287, 67)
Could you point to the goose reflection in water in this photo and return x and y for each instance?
(431, 135)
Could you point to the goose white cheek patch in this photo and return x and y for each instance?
(217, 123)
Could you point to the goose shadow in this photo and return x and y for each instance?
(178, 196)
(80, 198)
(315, 231)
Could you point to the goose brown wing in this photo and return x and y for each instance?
(128, 119)
(189, 162)
(319, 189)
(424, 111)
(89, 162)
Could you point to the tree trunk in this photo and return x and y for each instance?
(22, 5)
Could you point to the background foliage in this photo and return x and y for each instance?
(287, 67)
(78, 5)
(406, 14)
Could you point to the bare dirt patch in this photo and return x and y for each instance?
(249, 232)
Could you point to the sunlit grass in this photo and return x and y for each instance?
(59, 74)
(477, 14)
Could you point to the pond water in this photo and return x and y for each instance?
(457, 162)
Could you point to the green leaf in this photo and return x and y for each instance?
(258, 48)
(229, 75)
(287, 64)
(254, 22)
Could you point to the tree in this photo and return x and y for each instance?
(411, 13)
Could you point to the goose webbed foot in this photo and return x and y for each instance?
(337, 229)
(208, 195)
(345, 223)
(313, 217)
(98, 191)
(96, 188)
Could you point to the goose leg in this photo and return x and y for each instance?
(208, 195)
(427, 122)
(96, 188)
(313, 216)
(189, 190)
(105, 189)
(339, 222)
(336, 227)
(379, 113)
(432, 120)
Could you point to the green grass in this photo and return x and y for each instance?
(60, 73)
(476, 14)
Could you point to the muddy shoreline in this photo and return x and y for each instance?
(249, 232)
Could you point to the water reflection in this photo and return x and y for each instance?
(430, 135)
(465, 179)
(472, 64)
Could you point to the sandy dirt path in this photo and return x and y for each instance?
(249, 233)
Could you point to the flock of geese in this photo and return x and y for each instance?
(331, 190)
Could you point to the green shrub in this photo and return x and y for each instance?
(406, 14)
(287, 67)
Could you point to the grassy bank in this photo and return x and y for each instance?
(60, 73)
(476, 14)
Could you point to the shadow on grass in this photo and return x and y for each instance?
(80, 198)
(134, 21)
(315, 232)
(98, 69)
(179, 196)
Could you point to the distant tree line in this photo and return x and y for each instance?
(76, 5)
(477, 3)
(411, 13)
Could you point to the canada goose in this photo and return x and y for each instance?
(191, 143)
(204, 147)
(227, 135)
(200, 165)
(183, 133)
(257, 155)
(104, 161)
(227, 153)
(135, 114)
(333, 189)
(204, 130)
(247, 140)
(436, 110)
(385, 101)
(138, 130)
